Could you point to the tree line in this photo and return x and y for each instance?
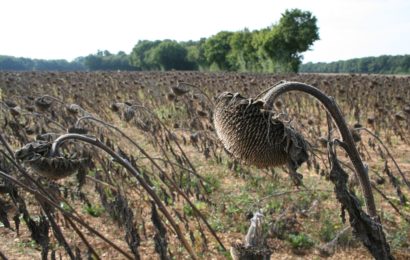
(25, 64)
(386, 64)
(276, 48)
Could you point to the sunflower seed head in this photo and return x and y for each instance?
(15, 111)
(30, 150)
(10, 103)
(171, 97)
(252, 135)
(179, 90)
(49, 137)
(355, 134)
(77, 130)
(42, 103)
(73, 109)
(36, 155)
(399, 116)
(128, 113)
(115, 107)
(55, 167)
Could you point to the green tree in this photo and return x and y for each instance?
(277, 48)
(295, 33)
(104, 60)
(140, 55)
(11, 63)
(243, 52)
(196, 53)
(399, 64)
(217, 49)
(170, 55)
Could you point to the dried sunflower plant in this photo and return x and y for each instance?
(134, 161)
(250, 132)
(52, 157)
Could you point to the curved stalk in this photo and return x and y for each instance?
(135, 173)
(174, 185)
(2, 256)
(388, 153)
(64, 212)
(331, 106)
(199, 89)
(52, 98)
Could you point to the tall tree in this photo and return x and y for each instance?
(217, 49)
(139, 56)
(243, 52)
(171, 55)
(295, 33)
(196, 53)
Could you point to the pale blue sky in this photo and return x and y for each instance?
(66, 29)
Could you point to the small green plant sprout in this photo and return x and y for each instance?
(300, 242)
(94, 210)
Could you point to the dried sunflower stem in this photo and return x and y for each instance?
(64, 212)
(406, 218)
(102, 183)
(82, 237)
(176, 143)
(44, 194)
(175, 186)
(6, 144)
(52, 98)
(35, 114)
(388, 152)
(48, 195)
(328, 249)
(134, 143)
(2, 256)
(368, 229)
(199, 89)
(135, 173)
(57, 231)
(337, 116)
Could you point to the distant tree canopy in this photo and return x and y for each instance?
(161, 55)
(295, 33)
(104, 60)
(277, 48)
(385, 64)
(24, 64)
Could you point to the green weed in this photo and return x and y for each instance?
(94, 210)
(300, 241)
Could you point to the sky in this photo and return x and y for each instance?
(66, 29)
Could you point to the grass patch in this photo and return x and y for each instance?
(93, 210)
